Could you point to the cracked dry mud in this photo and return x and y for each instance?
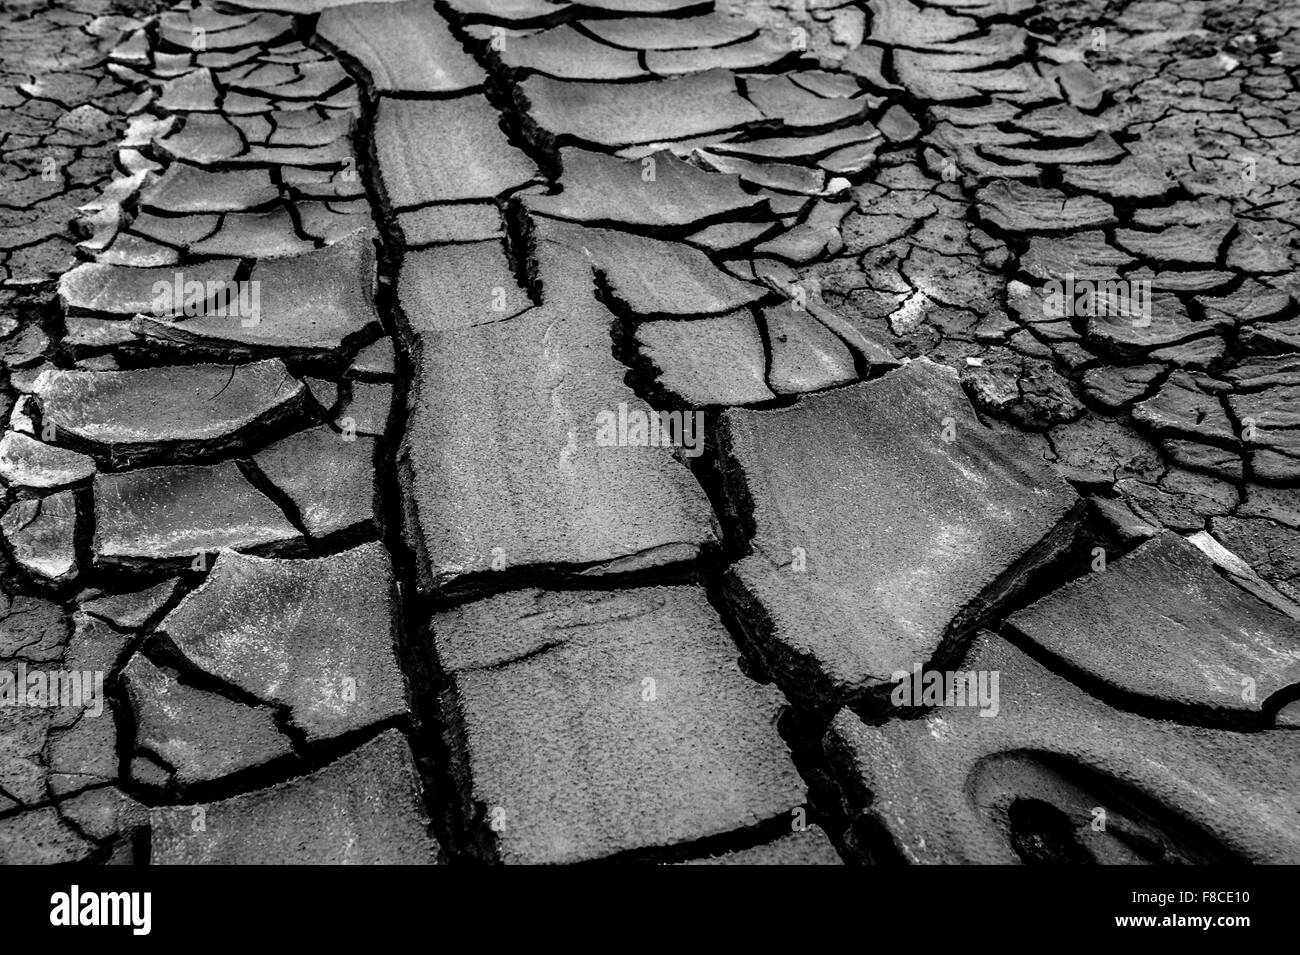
(327, 329)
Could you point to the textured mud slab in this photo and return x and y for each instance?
(957, 787)
(887, 523)
(363, 809)
(567, 502)
(620, 687)
(313, 635)
(649, 430)
(1169, 625)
